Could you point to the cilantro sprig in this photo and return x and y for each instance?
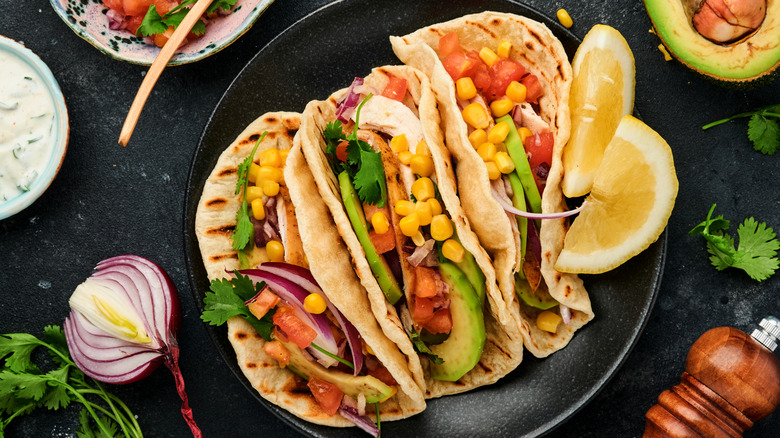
(24, 387)
(154, 23)
(757, 250)
(363, 164)
(226, 299)
(422, 348)
(244, 231)
(763, 129)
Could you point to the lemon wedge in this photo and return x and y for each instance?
(629, 205)
(602, 92)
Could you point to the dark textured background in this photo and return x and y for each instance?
(109, 200)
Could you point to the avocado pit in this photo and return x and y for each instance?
(726, 21)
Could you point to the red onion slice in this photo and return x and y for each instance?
(307, 281)
(511, 209)
(349, 411)
(565, 314)
(348, 102)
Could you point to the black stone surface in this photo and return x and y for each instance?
(109, 200)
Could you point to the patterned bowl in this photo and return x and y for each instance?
(88, 19)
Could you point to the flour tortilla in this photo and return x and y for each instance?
(214, 224)
(503, 347)
(541, 53)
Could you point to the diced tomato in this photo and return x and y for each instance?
(277, 351)
(134, 22)
(262, 303)
(449, 44)
(384, 376)
(296, 330)
(540, 148)
(458, 65)
(164, 6)
(341, 151)
(136, 7)
(161, 38)
(328, 395)
(502, 73)
(382, 242)
(115, 5)
(533, 88)
(481, 78)
(395, 89)
(422, 311)
(424, 282)
(440, 322)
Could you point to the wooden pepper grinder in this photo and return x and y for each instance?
(730, 381)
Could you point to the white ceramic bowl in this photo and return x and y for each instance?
(60, 129)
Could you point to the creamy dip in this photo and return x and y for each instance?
(26, 126)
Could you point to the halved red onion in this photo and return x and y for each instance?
(123, 324)
(348, 102)
(294, 294)
(509, 208)
(306, 280)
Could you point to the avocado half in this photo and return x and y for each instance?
(752, 60)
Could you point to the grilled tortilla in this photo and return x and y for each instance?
(541, 53)
(503, 347)
(329, 263)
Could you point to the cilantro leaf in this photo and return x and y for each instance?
(23, 385)
(756, 253)
(55, 336)
(226, 5)
(174, 19)
(226, 300)
(20, 346)
(370, 179)
(152, 23)
(764, 133)
(244, 231)
(420, 346)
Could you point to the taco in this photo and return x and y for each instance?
(273, 351)
(376, 153)
(502, 82)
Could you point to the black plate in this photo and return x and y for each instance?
(322, 53)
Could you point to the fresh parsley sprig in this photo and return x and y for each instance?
(154, 23)
(226, 300)
(757, 250)
(363, 164)
(24, 387)
(244, 231)
(763, 129)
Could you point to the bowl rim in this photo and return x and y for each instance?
(24, 200)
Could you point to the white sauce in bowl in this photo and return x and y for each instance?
(27, 131)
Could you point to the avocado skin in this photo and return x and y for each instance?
(371, 387)
(463, 348)
(384, 276)
(757, 55)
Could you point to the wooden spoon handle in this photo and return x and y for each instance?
(160, 62)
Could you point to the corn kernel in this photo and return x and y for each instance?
(422, 189)
(380, 223)
(474, 114)
(441, 227)
(564, 18)
(258, 211)
(283, 156)
(270, 188)
(405, 157)
(504, 163)
(488, 56)
(253, 192)
(418, 239)
(524, 133)
(422, 149)
(275, 251)
(487, 151)
(368, 349)
(410, 225)
(500, 147)
(501, 107)
(404, 207)
(421, 165)
(493, 172)
(268, 173)
(399, 143)
(270, 157)
(423, 212)
(477, 137)
(451, 249)
(435, 206)
(498, 133)
(254, 169)
(504, 48)
(516, 91)
(465, 88)
(314, 303)
(548, 321)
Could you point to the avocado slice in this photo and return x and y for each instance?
(379, 267)
(474, 275)
(516, 151)
(754, 58)
(463, 348)
(540, 299)
(372, 388)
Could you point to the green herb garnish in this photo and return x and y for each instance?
(363, 164)
(24, 387)
(226, 300)
(244, 231)
(757, 250)
(763, 129)
(420, 346)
